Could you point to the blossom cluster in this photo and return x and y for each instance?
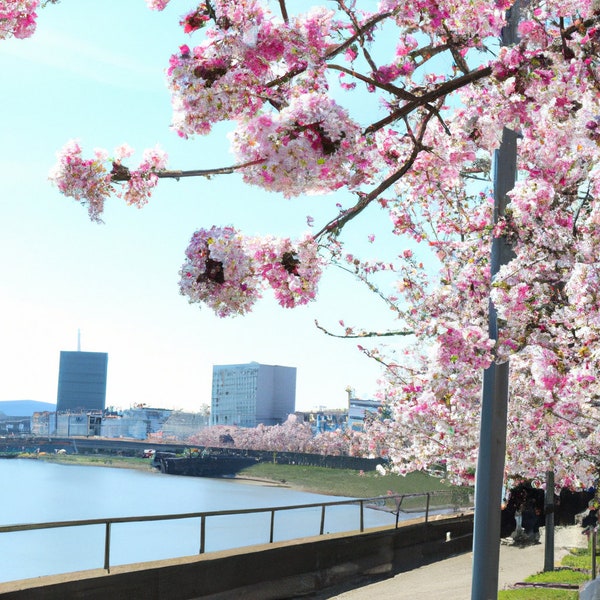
(84, 179)
(18, 18)
(229, 75)
(89, 181)
(311, 145)
(219, 272)
(291, 269)
(228, 272)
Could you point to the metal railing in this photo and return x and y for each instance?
(393, 503)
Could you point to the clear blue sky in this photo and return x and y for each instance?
(95, 71)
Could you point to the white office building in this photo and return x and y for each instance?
(249, 394)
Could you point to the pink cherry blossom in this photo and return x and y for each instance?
(157, 4)
(218, 271)
(17, 18)
(85, 180)
(292, 269)
(311, 146)
(90, 182)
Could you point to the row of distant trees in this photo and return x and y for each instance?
(294, 435)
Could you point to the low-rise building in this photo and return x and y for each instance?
(359, 410)
(79, 424)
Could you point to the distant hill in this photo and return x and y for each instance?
(24, 408)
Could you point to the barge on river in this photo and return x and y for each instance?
(203, 465)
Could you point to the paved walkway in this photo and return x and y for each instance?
(450, 579)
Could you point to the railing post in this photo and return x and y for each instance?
(272, 526)
(427, 509)
(593, 537)
(322, 520)
(202, 533)
(362, 516)
(107, 547)
(398, 505)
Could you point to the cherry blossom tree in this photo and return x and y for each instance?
(291, 436)
(403, 105)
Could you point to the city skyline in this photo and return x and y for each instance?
(117, 282)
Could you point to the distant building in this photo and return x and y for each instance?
(15, 425)
(81, 424)
(324, 420)
(359, 409)
(43, 423)
(82, 381)
(138, 422)
(249, 394)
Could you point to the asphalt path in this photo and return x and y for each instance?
(450, 579)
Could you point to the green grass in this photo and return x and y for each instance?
(559, 576)
(95, 460)
(578, 558)
(538, 594)
(351, 483)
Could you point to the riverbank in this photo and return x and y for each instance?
(94, 460)
(318, 480)
(343, 482)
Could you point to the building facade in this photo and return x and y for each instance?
(359, 410)
(139, 423)
(82, 381)
(43, 423)
(249, 394)
(79, 424)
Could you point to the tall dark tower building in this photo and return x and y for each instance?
(82, 381)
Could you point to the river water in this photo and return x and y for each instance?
(35, 492)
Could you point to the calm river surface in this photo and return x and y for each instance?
(36, 492)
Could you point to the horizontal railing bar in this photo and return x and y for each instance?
(205, 514)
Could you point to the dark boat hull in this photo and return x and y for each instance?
(204, 466)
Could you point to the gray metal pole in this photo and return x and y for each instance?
(494, 396)
(549, 524)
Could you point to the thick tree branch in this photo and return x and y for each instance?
(442, 90)
(366, 199)
(284, 12)
(121, 173)
(387, 87)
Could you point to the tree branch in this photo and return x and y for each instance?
(364, 334)
(284, 13)
(387, 87)
(366, 199)
(443, 90)
(121, 173)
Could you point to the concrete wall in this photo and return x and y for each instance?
(266, 572)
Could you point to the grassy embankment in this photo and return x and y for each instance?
(575, 569)
(334, 482)
(94, 460)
